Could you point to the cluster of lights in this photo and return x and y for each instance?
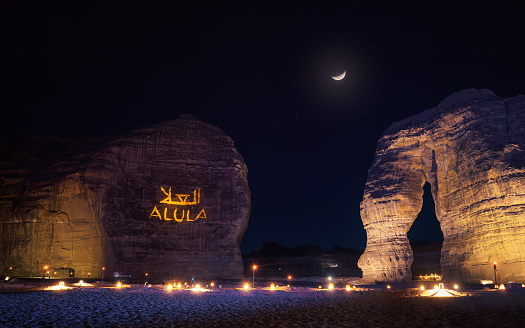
(60, 286)
(432, 276)
(81, 283)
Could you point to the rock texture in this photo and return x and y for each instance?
(171, 200)
(471, 150)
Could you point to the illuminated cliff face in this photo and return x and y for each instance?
(171, 200)
(471, 150)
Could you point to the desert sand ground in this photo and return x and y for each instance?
(228, 306)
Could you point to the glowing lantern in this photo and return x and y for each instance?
(348, 288)
(179, 285)
(523, 285)
(320, 287)
(272, 286)
(330, 286)
(170, 287)
(246, 286)
(422, 288)
(502, 286)
(388, 287)
(456, 286)
(212, 284)
(253, 278)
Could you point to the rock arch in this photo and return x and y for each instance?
(471, 150)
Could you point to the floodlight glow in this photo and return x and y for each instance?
(348, 288)
(60, 286)
(330, 286)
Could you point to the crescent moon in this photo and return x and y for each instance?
(340, 76)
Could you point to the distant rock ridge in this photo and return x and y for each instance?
(170, 200)
(470, 148)
(275, 260)
(274, 249)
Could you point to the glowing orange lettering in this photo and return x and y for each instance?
(175, 216)
(156, 213)
(165, 215)
(181, 200)
(168, 199)
(199, 215)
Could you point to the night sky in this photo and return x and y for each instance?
(260, 71)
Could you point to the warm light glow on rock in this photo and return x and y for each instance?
(181, 200)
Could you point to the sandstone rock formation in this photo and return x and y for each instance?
(171, 200)
(471, 149)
